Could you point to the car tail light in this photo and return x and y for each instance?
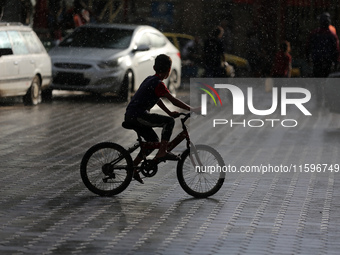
(179, 54)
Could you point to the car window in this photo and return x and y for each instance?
(19, 46)
(32, 42)
(5, 43)
(157, 40)
(95, 37)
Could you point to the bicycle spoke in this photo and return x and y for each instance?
(199, 182)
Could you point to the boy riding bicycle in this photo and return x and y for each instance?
(138, 113)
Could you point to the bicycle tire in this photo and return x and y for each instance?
(198, 182)
(102, 178)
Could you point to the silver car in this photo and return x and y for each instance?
(25, 66)
(111, 58)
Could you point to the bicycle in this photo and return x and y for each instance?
(107, 168)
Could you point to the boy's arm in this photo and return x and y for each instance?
(176, 102)
(163, 107)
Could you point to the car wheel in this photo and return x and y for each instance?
(33, 95)
(173, 80)
(127, 87)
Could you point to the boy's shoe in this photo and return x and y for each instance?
(168, 156)
(136, 176)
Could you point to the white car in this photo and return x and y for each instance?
(25, 66)
(111, 58)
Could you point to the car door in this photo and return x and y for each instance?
(38, 55)
(24, 61)
(9, 67)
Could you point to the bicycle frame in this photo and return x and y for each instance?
(156, 145)
(184, 134)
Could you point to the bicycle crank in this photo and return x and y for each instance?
(149, 168)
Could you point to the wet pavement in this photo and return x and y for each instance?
(46, 209)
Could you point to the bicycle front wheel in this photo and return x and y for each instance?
(200, 171)
(106, 169)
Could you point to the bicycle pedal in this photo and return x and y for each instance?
(137, 177)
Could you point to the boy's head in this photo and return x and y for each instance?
(162, 63)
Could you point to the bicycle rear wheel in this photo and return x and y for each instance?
(195, 171)
(106, 169)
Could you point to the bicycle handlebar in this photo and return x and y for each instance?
(186, 116)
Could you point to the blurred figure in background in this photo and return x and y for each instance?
(323, 51)
(56, 20)
(81, 14)
(26, 9)
(227, 37)
(323, 47)
(213, 54)
(282, 66)
(192, 58)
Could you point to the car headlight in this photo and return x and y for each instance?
(109, 64)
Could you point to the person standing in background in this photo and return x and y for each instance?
(323, 51)
(282, 66)
(81, 14)
(323, 47)
(213, 54)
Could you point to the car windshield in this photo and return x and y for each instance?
(95, 37)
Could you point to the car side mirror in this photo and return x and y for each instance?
(142, 47)
(6, 51)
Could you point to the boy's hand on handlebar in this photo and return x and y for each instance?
(196, 110)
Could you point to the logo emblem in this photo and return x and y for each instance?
(204, 98)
